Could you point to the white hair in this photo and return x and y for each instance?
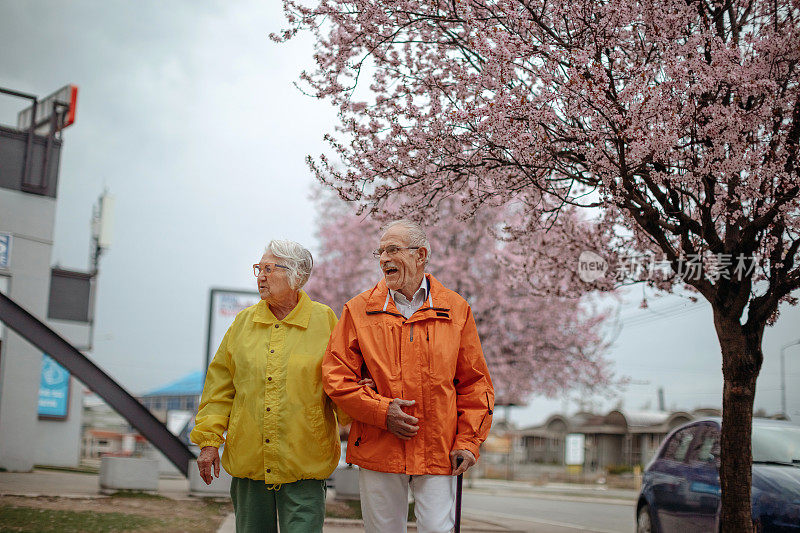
(416, 235)
(296, 257)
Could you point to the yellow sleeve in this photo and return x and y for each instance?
(341, 417)
(215, 403)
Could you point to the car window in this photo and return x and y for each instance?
(705, 446)
(776, 443)
(678, 445)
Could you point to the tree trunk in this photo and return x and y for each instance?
(741, 363)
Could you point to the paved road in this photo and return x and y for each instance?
(550, 514)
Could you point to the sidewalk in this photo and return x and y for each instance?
(79, 485)
(341, 525)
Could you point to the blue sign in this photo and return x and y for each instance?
(5, 249)
(53, 389)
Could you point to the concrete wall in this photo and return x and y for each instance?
(58, 442)
(30, 220)
(24, 439)
(77, 333)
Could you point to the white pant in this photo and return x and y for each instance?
(384, 502)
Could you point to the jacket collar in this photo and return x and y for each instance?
(299, 316)
(379, 301)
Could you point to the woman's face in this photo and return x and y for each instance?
(274, 287)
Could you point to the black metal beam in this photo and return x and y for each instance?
(37, 333)
(17, 93)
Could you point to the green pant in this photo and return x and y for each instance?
(298, 506)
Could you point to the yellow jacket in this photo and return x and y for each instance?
(264, 386)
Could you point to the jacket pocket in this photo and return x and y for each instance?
(366, 436)
(320, 428)
(489, 412)
(441, 342)
(442, 362)
(232, 434)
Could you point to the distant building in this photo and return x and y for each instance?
(619, 438)
(181, 395)
(107, 432)
(99, 442)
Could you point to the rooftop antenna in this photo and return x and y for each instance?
(102, 227)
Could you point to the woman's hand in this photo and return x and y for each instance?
(209, 457)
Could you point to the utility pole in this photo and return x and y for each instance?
(783, 374)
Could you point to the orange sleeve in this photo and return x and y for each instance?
(474, 391)
(341, 372)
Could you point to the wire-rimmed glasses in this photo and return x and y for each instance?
(267, 268)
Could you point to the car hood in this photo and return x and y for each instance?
(778, 479)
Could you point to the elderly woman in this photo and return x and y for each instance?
(264, 388)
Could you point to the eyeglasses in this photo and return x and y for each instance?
(392, 250)
(267, 268)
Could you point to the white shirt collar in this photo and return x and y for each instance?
(423, 289)
(409, 307)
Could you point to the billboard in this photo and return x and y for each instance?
(53, 389)
(224, 305)
(5, 250)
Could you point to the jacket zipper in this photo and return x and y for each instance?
(412, 333)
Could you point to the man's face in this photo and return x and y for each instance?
(273, 287)
(403, 271)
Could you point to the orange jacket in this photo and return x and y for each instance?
(434, 358)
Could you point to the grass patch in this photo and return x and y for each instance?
(131, 511)
(49, 520)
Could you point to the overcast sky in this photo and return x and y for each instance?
(188, 115)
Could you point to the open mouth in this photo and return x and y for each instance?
(389, 270)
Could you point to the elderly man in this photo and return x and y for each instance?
(406, 363)
(264, 387)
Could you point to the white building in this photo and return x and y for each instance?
(40, 404)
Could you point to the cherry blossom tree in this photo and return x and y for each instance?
(533, 345)
(677, 119)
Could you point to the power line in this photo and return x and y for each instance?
(648, 316)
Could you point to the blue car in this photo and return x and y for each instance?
(681, 490)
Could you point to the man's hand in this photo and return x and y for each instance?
(369, 382)
(400, 424)
(209, 456)
(467, 461)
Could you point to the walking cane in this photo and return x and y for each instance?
(459, 483)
